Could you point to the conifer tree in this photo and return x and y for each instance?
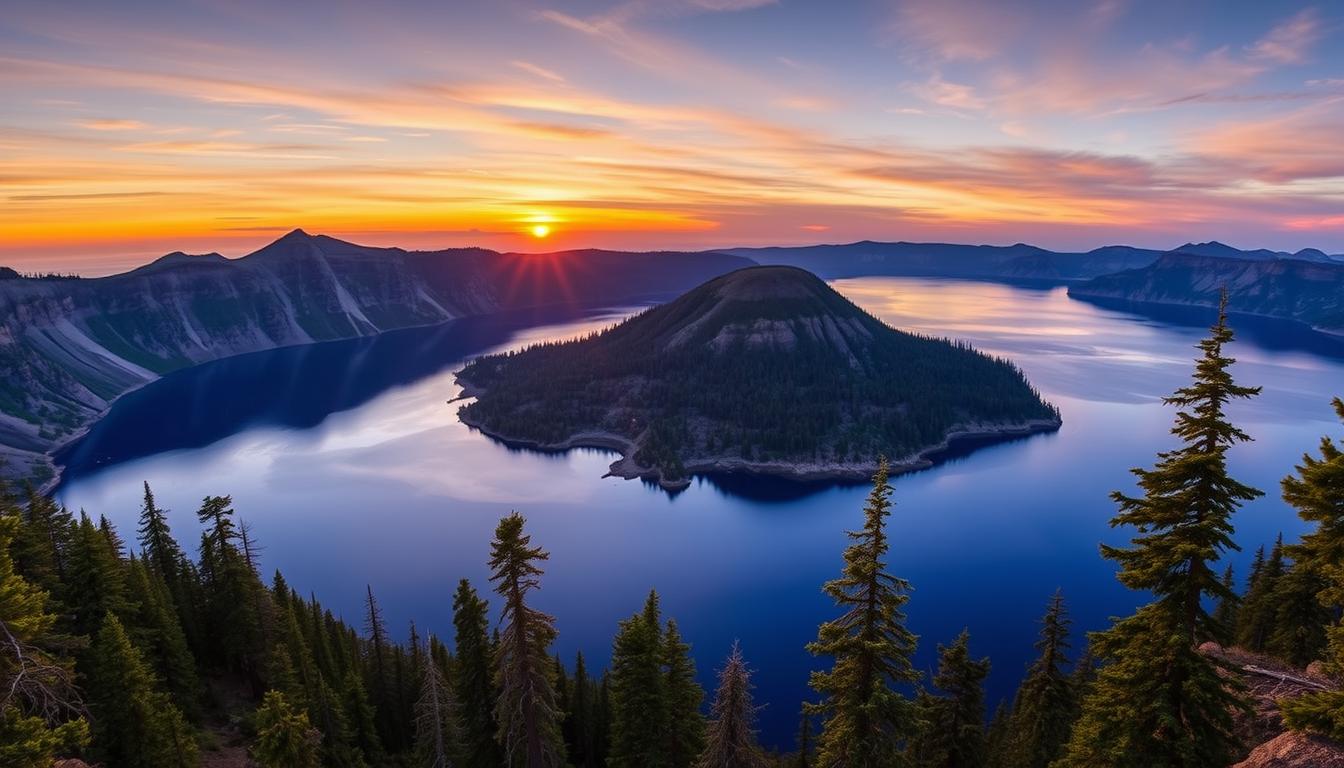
(579, 717)
(685, 725)
(161, 639)
(1298, 630)
(1157, 700)
(1317, 493)
(954, 734)
(285, 737)
(999, 739)
(435, 720)
(804, 759)
(865, 718)
(135, 724)
(40, 549)
(639, 702)
(1225, 615)
(731, 738)
(359, 718)
(39, 706)
(1045, 707)
(474, 684)
(95, 581)
(1255, 622)
(526, 714)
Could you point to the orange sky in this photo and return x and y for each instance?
(136, 128)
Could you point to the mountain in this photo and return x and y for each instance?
(1306, 291)
(1011, 262)
(68, 347)
(766, 370)
(7, 273)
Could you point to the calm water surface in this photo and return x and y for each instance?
(353, 469)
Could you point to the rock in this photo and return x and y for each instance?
(1317, 669)
(1295, 750)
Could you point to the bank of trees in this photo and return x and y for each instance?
(136, 653)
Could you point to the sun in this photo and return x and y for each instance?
(540, 230)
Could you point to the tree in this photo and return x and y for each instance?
(1255, 621)
(474, 683)
(159, 635)
(526, 713)
(435, 719)
(639, 705)
(1298, 632)
(955, 721)
(1317, 492)
(731, 738)
(804, 759)
(685, 726)
(39, 706)
(865, 719)
(1046, 705)
(285, 738)
(95, 581)
(1157, 700)
(135, 724)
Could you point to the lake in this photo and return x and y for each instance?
(351, 466)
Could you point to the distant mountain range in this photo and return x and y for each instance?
(1310, 292)
(68, 347)
(764, 371)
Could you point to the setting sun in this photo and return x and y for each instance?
(540, 230)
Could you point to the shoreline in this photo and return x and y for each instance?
(627, 468)
(1124, 304)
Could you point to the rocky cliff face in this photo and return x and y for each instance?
(69, 347)
(1307, 291)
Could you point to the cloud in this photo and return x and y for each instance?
(1291, 41)
(539, 71)
(111, 124)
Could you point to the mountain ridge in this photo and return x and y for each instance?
(70, 347)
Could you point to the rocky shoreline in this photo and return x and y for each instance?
(627, 468)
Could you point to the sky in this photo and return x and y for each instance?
(131, 129)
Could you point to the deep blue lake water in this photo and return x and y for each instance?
(352, 468)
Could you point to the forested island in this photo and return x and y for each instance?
(134, 653)
(766, 370)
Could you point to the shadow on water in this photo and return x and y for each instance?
(293, 387)
(1269, 333)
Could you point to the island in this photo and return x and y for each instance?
(766, 371)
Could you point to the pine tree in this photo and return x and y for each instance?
(359, 718)
(999, 739)
(579, 725)
(1317, 492)
(40, 549)
(731, 738)
(475, 687)
(1255, 623)
(865, 719)
(39, 716)
(639, 703)
(685, 726)
(804, 759)
(159, 635)
(1298, 632)
(165, 557)
(1157, 700)
(526, 714)
(135, 724)
(435, 720)
(955, 721)
(285, 738)
(95, 581)
(1045, 707)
